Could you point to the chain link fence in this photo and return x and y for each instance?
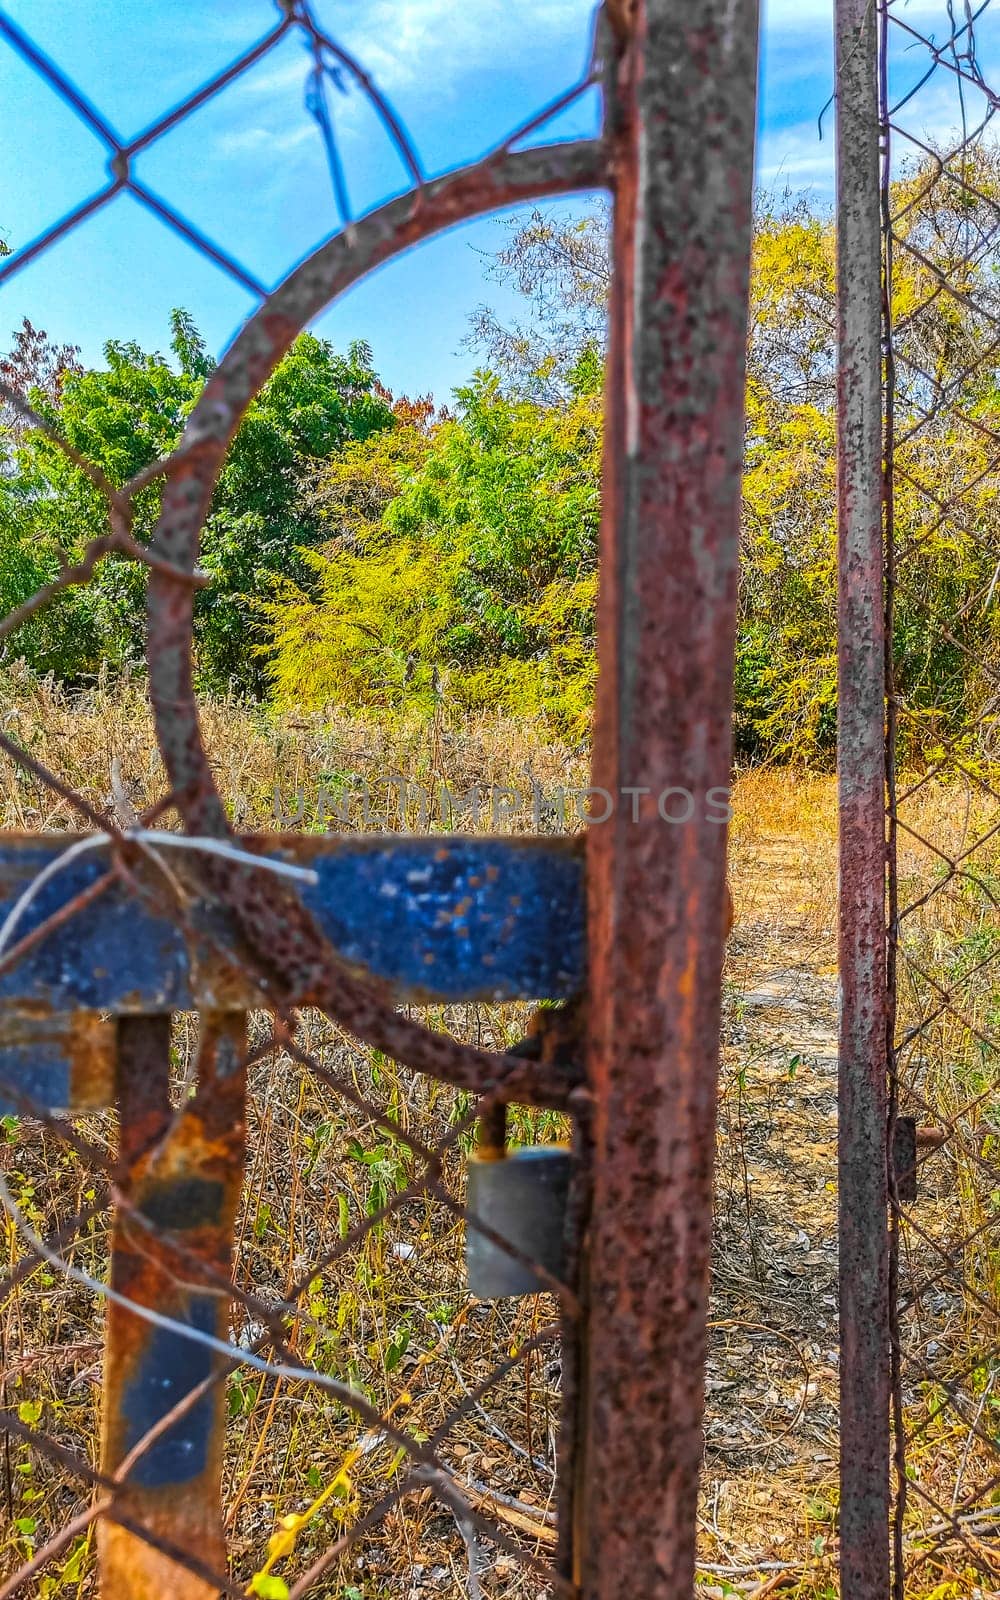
(941, 242)
(919, 290)
(257, 1280)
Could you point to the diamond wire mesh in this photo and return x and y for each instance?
(419, 1366)
(941, 226)
(408, 1433)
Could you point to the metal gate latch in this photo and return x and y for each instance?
(909, 1142)
(521, 1195)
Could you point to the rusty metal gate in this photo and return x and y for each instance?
(109, 936)
(919, 452)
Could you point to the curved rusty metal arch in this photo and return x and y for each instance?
(291, 957)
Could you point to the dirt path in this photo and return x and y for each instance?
(771, 1417)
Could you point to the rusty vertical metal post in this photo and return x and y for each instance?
(863, 1189)
(681, 114)
(183, 1173)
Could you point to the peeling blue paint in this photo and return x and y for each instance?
(40, 1071)
(170, 1366)
(440, 919)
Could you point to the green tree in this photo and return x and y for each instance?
(130, 412)
(475, 580)
(261, 524)
(560, 263)
(480, 573)
(946, 642)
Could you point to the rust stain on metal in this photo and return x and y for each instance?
(666, 624)
(667, 612)
(182, 1172)
(90, 1046)
(380, 901)
(904, 1158)
(291, 959)
(60, 1062)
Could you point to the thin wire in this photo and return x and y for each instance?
(27, 253)
(64, 87)
(319, 110)
(195, 236)
(157, 129)
(328, 58)
(952, 166)
(355, 1399)
(382, 107)
(152, 837)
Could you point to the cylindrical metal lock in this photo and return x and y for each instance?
(522, 1195)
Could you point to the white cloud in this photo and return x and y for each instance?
(424, 55)
(276, 76)
(436, 42)
(796, 158)
(439, 40)
(434, 53)
(248, 140)
(935, 113)
(796, 14)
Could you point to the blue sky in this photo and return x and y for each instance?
(249, 167)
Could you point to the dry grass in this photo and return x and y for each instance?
(266, 767)
(395, 1317)
(776, 1199)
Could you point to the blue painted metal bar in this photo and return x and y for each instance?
(439, 919)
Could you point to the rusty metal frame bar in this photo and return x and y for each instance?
(681, 91)
(163, 1437)
(862, 1143)
(931, 1529)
